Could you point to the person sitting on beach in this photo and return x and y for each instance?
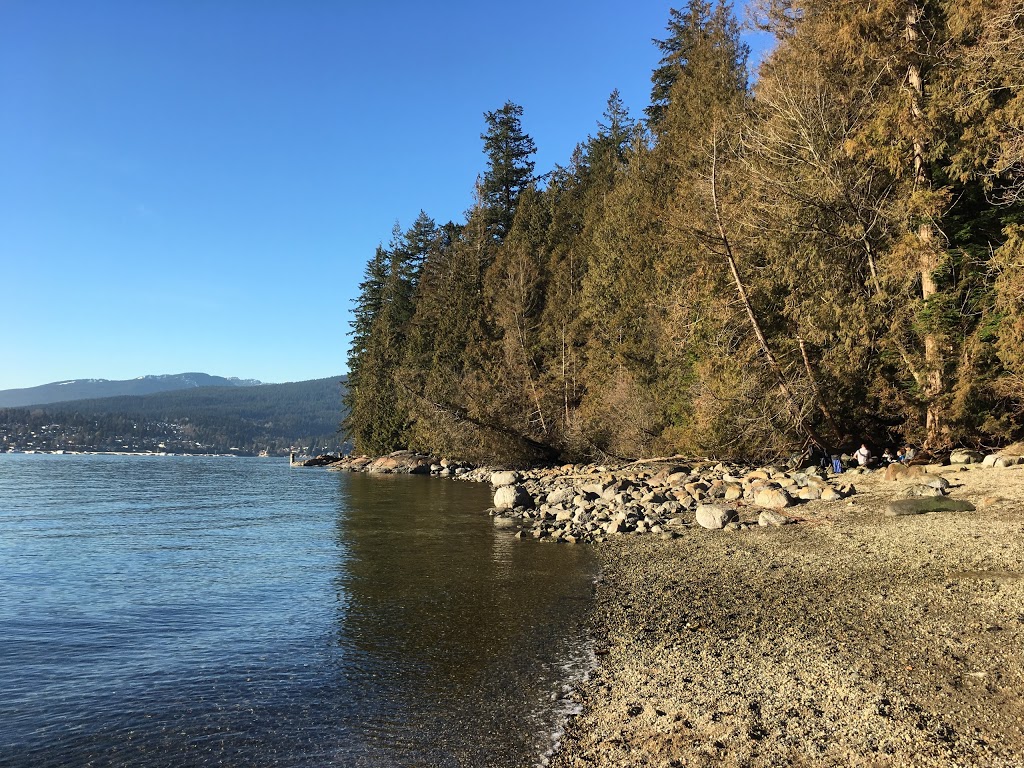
(887, 457)
(862, 455)
(908, 454)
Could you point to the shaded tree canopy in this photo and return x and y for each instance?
(828, 256)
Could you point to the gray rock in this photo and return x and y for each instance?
(923, 506)
(830, 494)
(772, 498)
(715, 516)
(922, 491)
(809, 493)
(940, 483)
(697, 489)
(965, 457)
(501, 479)
(772, 518)
(560, 495)
(509, 496)
(994, 460)
(616, 526)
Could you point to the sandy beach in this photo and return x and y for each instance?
(851, 638)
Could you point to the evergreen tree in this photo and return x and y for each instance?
(509, 167)
(703, 46)
(364, 315)
(378, 416)
(836, 257)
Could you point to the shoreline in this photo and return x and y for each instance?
(842, 632)
(856, 638)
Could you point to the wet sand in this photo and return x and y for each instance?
(852, 638)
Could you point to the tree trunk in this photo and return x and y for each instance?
(755, 324)
(841, 436)
(934, 385)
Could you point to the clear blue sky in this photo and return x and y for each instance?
(195, 185)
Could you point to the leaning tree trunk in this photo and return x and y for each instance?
(934, 383)
(741, 290)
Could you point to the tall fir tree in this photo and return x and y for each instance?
(510, 166)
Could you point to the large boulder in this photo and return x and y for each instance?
(922, 491)
(1001, 460)
(560, 495)
(733, 491)
(772, 498)
(923, 506)
(501, 479)
(715, 516)
(509, 496)
(965, 457)
(676, 478)
(830, 494)
(401, 462)
(383, 465)
(903, 472)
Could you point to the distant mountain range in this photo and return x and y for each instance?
(83, 389)
(225, 417)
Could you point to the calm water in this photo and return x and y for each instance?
(159, 611)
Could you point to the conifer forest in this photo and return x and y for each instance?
(825, 251)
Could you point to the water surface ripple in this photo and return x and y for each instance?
(184, 611)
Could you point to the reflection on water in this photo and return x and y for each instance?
(185, 611)
(468, 623)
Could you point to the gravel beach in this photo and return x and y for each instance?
(851, 638)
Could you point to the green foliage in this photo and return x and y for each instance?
(510, 167)
(831, 255)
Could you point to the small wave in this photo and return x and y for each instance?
(573, 673)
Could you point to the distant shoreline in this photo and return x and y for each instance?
(139, 453)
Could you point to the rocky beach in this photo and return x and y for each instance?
(855, 638)
(743, 620)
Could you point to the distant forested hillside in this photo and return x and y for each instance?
(245, 420)
(81, 389)
(829, 254)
